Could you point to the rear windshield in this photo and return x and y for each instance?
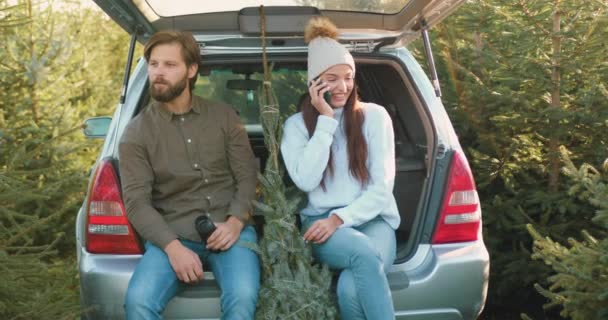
(241, 89)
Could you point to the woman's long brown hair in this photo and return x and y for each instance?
(353, 118)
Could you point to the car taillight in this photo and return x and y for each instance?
(460, 213)
(108, 230)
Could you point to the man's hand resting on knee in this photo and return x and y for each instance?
(186, 264)
(225, 235)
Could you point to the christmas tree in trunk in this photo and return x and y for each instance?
(292, 286)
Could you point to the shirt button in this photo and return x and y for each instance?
(189, 140)
(196, 165)
(182, 119)
(206, 181)
(208, 197)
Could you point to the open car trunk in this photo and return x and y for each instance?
(439, 240)
(235, 80)
(229, 36)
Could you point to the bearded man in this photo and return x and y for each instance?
(180, 158)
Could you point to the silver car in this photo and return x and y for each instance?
(442, 265)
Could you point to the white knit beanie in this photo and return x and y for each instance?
(324, 51)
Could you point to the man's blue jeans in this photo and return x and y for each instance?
(237, 272)
(363, 254)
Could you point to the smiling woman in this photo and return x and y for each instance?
(351, 213)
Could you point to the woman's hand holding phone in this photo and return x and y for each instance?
(317, 91)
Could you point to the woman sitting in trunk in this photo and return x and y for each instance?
(341, 152)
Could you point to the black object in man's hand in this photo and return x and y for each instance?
(204, 226)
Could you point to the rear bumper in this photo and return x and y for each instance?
(104, 280)
(451, 282)
(447, 282)
(103, 283)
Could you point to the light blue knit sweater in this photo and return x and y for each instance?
(306, 159)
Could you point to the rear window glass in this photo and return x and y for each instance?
(241, 90)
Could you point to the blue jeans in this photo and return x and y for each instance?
(363, 254)
(236, 270)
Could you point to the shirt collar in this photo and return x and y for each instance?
(197, 104)
(160, 110)
(168, 115)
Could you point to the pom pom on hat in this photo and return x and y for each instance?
(324, 51)
(320, 27)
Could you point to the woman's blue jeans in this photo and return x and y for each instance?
(363, 254)
(237, 272)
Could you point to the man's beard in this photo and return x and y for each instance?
(170, 93)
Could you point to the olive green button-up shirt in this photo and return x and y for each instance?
(174, 168)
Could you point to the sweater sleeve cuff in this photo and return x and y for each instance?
(326, 124)
(347, 221)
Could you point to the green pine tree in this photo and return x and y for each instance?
(519, 79)
(57, 67)
(293, 287)
(34, 284)
(579, 283)
(55, 71)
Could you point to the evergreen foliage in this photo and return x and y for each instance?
(292, 286)
(54, 74)
(579, 284)
(34, 284)
(520, 79)
(58, 65)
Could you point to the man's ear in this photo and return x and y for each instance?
(192, 70)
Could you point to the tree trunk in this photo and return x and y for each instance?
(554, 163)
(32, 86)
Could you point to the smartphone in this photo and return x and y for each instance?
(326, 95)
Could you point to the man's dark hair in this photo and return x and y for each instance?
(190, 50)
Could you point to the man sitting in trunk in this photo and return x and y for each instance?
(180, 158)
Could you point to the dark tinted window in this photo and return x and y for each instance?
(241, 89)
